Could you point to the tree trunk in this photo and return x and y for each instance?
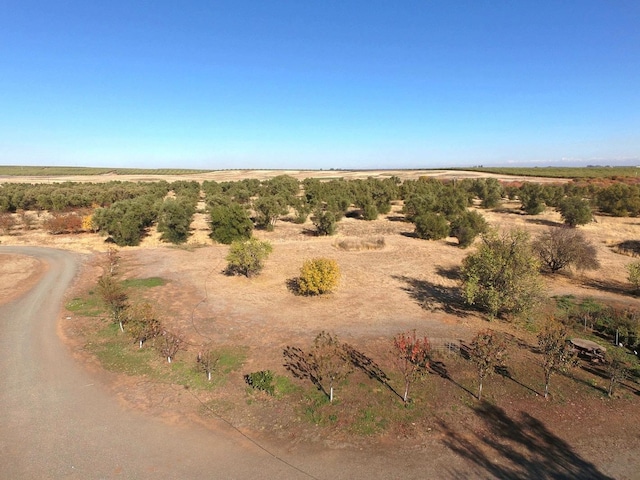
(169, 359)
(140, 344)
(209, 375)
(480, 390)
(331, 393)
(406, 392)
(611, 382)
(121, 326)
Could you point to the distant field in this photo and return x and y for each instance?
(13, 170)
(560, 172)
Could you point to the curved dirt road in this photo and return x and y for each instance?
(55, 422)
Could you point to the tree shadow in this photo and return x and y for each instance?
(301, 366)
(505, 373)
(544, 221)
(434, 297)
(452, 273)
(370, 368)
(607, 286)
(525, 447)
(293, 285)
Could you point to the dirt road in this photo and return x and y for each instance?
(57, 421)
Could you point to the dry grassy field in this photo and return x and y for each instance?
(390, 283)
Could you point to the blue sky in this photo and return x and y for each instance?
(311, 84)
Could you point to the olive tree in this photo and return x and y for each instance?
(556, 352)
(503, 275)
(246, 257)
(487, 351)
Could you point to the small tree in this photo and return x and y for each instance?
(575, 211)
(487, 351)
(532, 198)
(617, 366)
(556, 351)
(115, 299)
(633, 270)
(207, 361)
(170, 344)
(318, 276)
(268, 209)
(431, 226)
(330, 361)
(467, 227)
(563, 247)
(411, 356)
(144, 323)
(503, 276)
(324, 221)
(246, 257)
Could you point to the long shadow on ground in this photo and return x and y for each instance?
(434, 297)
(517, 449)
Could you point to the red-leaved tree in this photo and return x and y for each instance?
(411, 356)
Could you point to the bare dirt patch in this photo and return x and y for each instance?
(18, 273)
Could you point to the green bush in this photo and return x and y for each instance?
(174, 220)
(262, 380)
(230, 222)
(431, 226)
(467, 227)
(634, 274)
(575, 211)
(318, 276)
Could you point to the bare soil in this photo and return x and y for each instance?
(407, 284)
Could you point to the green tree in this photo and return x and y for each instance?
(618, 366)
(324, 221)
(174, 220)
(230, 222)
(467, 227)
(555, 349)
(268, 209)
(633, 270)
(562, 247)
(532, 198)
(502, 276)
(575, 211)
(487, 351)
(247, 257)
(431, 226)
(318, 276)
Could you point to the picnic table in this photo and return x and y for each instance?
(588, 348)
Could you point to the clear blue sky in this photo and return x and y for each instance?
(319, 84)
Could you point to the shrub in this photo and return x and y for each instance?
(318, 276)
(6, 222)
(63, 223)
(634, 274)
(431, 226)
(262, 380)
(246, 257)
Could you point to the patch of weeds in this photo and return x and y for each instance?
(369, 422)
(117, 354)
(87, 306)
(314, 404)
(285, 387)
(186, 374)
(216, 408)
(143, 282)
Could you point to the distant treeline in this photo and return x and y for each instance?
(18, 171)
(595, 171)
